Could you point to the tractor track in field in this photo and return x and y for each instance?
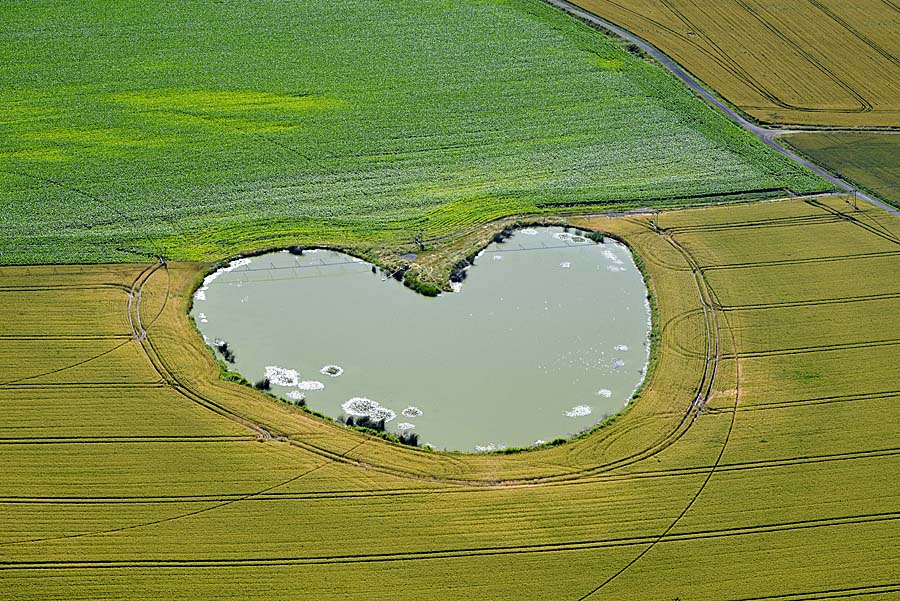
(768, 136)
(709, 301)
(703, 392)
(711, 298)
(452, 553)
(831, 593)
(709, 307)
(826, 400)
(780, 262)
(264, 432)
(594, 474)
(332, 495)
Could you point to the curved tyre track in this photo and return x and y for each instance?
(264, 431)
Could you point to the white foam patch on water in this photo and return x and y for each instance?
(567, 237)
(578, 411)
(565, 264)
(363, 407)
(200, 295)
(296, 395)
(498, 257)
(621, 347)
(411, 412)
(529, 231)
(489, 447)
(617, 364)
(282, 376)
(310, 385)
(456, 286)
(332, 370)
(357, 260)
(604, 392)
(238, 263)
(383, 413)
(359, 406)
(538, 442)
(612, 256)
(405, 426)
(615, 268)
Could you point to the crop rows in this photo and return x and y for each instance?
(361, 124)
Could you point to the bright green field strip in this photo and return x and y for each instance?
(869, 159)
(196, 130)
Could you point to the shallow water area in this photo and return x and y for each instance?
(542, 340)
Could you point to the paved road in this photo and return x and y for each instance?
(767, 135)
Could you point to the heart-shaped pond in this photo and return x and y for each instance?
(547, 336)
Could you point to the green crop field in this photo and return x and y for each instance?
(759, 462)
(868, 159)
(195, 130)
(816, 62)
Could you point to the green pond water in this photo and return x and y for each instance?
(546, 337)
